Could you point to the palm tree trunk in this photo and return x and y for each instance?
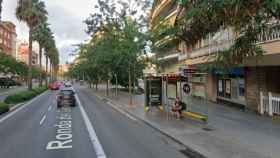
(47, 63)
(29, 79)
(51, 70)
(40, 64)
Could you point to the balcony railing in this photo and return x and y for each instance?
(226, 44)
(269, 37)
(209, 49)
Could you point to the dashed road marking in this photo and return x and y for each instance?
(50, 108)
(92, 134)
(43, 119)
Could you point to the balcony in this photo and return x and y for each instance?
(207, 50)
(269, 42)
(266, 37)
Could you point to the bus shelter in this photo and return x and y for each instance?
(194, 94)
(190, 87)
(153, 92)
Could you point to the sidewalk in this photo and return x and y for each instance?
(230, 133)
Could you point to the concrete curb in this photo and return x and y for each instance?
(188, 151)
(13, 108)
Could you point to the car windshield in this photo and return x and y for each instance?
(67, 92)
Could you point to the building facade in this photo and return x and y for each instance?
(164, 12)
(8, 38)
(23, 51)
(240, 85)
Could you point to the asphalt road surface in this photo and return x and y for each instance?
(90, 130)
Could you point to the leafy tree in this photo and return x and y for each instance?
(33, 12)
(118, 40)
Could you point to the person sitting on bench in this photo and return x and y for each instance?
(177, 108)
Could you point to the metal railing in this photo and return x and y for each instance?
(266, 36)
(270, 104)
(210, 49)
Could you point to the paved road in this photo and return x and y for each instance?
(40, 130)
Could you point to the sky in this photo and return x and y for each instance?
(66, 18)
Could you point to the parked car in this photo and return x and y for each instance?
(66, 96)
(7, 83)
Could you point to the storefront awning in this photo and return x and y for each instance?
(237, 71)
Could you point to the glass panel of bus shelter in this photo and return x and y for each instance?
(194, 94)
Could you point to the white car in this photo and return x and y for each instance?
(68, 84)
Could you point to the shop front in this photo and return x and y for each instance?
(231, 86)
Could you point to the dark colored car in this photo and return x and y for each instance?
(7, 83)
(66, 97)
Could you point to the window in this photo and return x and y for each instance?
(220, 88)
(241, 87)
(228, 88)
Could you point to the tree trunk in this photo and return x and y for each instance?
(30, 60)
(96, 86)
(107, 88)
(40, 64)
(129, 85)
(51, 71)
(47, 76)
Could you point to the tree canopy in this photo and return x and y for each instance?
(116, 45)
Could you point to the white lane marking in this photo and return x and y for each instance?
(43, 119)
(122, 111)
(50, 108)
(20, 108)
(15, 106)
(92, 134)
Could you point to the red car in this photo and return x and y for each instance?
(54, 86)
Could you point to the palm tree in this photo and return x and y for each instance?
(54, 61)
(52, 58)
(33, 12)
(41, 35)
(48, 49)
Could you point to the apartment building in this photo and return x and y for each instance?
(23, 52)
(165, 12)
(8, 37)
(240, 85)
